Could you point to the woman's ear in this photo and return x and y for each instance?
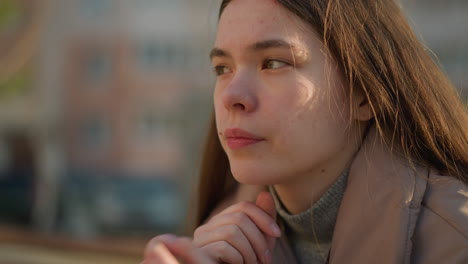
(364, 110)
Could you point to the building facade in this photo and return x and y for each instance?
(112, 90)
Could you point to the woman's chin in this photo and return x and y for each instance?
(253, 176)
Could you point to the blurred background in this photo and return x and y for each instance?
(103, 107)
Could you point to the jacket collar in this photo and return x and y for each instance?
(377, 216)
(380, 206)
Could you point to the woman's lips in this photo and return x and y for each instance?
(237, 138)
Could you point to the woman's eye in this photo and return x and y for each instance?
(274, 64)
(220, 70)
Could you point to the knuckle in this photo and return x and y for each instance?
(151, 243)
(244, 205)
(222, 247)
(156, 240)
(231, 231)
(240, 218)
(198, 231)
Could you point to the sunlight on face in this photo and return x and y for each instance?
(281, 110)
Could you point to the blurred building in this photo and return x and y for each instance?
(128, 82)
(442, 26)
(120, 91)
(103, 104)
(136, 91)
(20, 115)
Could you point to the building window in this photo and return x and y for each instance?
(152, 126)
(173, 5)
(96, 8)
(150, 55)
(98, 66)
(176, 56)
(153, 54)
(149, 126)
(144, 4)
(95, 132)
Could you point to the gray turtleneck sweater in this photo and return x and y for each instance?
(310, 232)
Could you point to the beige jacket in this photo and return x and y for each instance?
(391, 213)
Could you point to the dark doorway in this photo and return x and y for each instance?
(17, 178)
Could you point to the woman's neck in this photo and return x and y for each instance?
(305, 190)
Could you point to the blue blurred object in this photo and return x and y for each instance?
(101, 203)
(17, 179)
(16, 189)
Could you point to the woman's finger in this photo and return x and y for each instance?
(155, 241)
(160, 255)
(208, 234)
(166, 249)
(261, 242)
(233, 235)
(263, 220)
(266, 203)
(223, 252)
(183, 249)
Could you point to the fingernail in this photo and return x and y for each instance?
(267, 257)
(275, 229)
(161, 255)
(168, 238)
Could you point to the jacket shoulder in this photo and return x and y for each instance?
(441, 231)
(447, 198)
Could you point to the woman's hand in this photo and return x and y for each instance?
(242, 233)
(169, 249)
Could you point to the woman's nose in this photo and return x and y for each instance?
(240, 95)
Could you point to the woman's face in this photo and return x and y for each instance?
(281, 109)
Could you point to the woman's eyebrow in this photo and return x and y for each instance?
(217, 52)
(271, 43)
(297, 50)
(258, 46)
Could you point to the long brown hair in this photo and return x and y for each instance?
(416, 108)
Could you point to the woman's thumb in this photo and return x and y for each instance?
(266, 203)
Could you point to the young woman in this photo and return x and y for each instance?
(337, 111)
